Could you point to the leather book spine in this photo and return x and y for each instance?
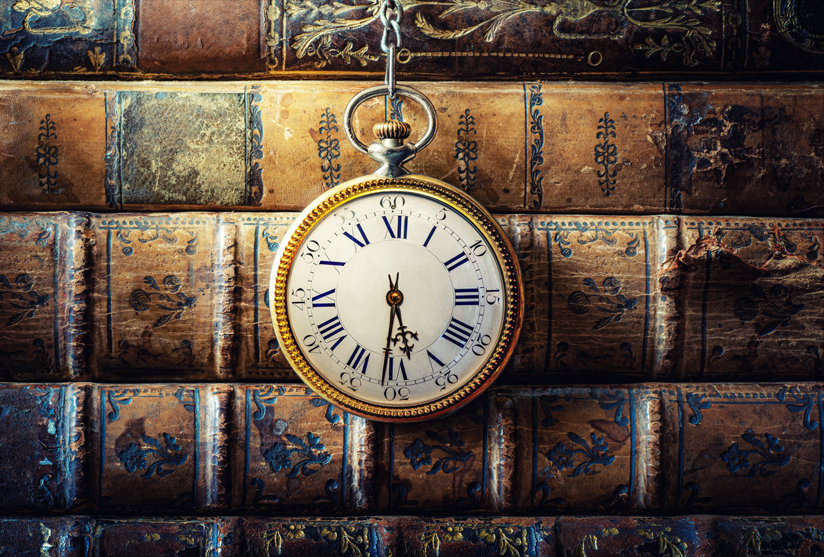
(424, 535)
(159, 447)
(45, 452)
(184, 297)
(43, 301)
(623, 449)
(163, 296)
(293, 451)
(603, 148)
(264, 38)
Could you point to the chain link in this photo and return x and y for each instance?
(390, 14)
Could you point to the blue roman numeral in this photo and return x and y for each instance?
(337, 341)
(335, 263)
(401, 226)
(364, 241)
(323, 303)
(457, 332)
(456, 262)
(435, 359)
(356, 359)
(429, 237)
(467, 297)
(401, 369)
(330, 328)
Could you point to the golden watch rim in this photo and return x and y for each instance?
(478, 216)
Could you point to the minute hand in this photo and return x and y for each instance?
(387, 350)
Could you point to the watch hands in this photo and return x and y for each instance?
(394, 297)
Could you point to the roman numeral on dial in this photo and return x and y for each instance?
(330, 328)
(457, 332)
(400, 368)
(456, 262)
(435, 359)
(467, 297)
(429, 237)
(356, 359)
(397, 226)
(364, 241)
(319, 302)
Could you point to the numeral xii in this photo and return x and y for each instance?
(398, 226)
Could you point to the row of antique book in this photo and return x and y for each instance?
(628, 148)
(184, 297)
(495, 38)
(281, 449)
(133, 299)
(415, 536)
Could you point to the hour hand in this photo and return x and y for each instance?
(403, 336)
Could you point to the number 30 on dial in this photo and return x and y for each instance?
(396, 299)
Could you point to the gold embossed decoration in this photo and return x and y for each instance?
(396, 296)
(797, 23)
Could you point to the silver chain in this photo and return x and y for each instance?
(390, 13)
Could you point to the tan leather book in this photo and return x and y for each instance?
(613, 148)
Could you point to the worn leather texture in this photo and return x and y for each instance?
(612, 148)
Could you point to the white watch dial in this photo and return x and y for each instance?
(396, 299)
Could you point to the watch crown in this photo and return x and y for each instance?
(392, 129)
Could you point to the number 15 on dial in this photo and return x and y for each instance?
(396, 298)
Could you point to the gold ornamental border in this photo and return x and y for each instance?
(464, 205)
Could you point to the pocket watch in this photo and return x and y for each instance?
(396, 296)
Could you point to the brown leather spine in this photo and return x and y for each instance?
(611, 148)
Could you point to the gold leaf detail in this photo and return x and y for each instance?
(272, 13)
(581, 549)
(15, 58)
(272, 540)
(97, 58)
(37, 7)
(507, 540)
(295, 532)
(431, 541)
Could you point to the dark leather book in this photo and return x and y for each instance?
(414, 536)
(463, 40)
(84, 296)
(620, 148)
(279, 449)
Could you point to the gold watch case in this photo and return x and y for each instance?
(449, 196)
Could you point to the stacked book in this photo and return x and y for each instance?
(665, 396)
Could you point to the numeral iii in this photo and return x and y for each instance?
(467, 297)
